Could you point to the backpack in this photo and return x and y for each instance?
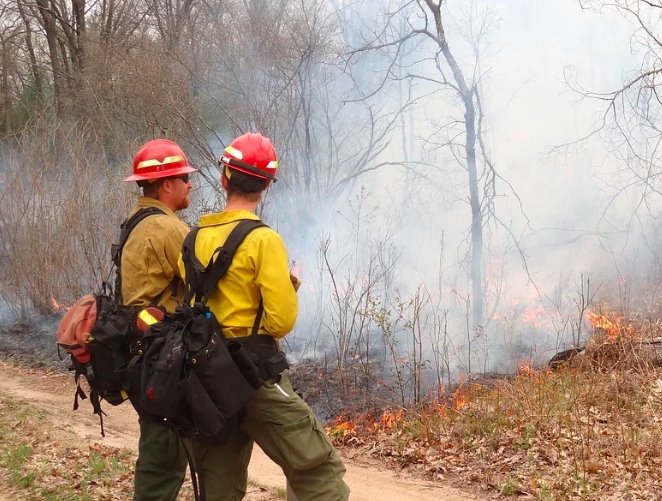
(189, 373)
(101, 335)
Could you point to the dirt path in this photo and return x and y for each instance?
(53, 392)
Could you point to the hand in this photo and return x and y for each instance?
(295, 282)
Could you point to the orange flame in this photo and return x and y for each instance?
(460, 399)
(459, 402)
(614, 326)
(346, 426)
(525, 369)
(389, 419)
(341, 428)
(57, 306)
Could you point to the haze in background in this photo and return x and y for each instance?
(574, 231)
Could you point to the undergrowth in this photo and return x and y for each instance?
(591, 429)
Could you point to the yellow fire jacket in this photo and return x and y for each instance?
(149, 257)
(259, 269)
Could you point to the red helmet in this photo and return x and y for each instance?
(159, 158)
(252, 154)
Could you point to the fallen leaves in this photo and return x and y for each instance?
(570, 435)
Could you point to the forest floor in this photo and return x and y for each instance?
(48, 451)
(591, 429)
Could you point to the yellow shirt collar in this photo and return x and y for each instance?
(225, 217)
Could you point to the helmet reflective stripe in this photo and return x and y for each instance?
(231, 150)
(157, 159)
(154, 162)
(252, 154)
(271, 165)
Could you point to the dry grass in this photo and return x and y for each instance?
(590, 430)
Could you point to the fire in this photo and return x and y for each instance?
(614, 326)
(346, 426)
(525, 369)
(342, 427)
(536, 315)
(388, 420)
(459, 402)
(57, 306)
(531, 313)
(460, 399)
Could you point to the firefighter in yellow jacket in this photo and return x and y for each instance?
(148, 271)
(277, 419)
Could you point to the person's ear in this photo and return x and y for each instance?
(166, 185)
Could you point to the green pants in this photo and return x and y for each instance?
(161, 464)
(286, 429)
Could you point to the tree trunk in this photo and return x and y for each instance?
(5, 95)
(476, 215)
(48, 20)
(467, 95)
(34, 67)
(78, 7)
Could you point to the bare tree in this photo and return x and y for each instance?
(288, 82)
(435, 63)
(630, 121)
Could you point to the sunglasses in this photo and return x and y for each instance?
(183, 177)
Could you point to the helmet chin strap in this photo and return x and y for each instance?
(233, 162)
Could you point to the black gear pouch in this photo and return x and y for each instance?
(275, 364)
(267, 359)
(207, 419)
(161, 371)
(216, 369)
(245, 363)
(113, 333)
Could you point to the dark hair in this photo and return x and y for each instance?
(240, 183)
(150, 189)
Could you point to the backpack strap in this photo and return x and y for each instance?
(201, 280)
(95, 399)
(256, 324)
(126, 228)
